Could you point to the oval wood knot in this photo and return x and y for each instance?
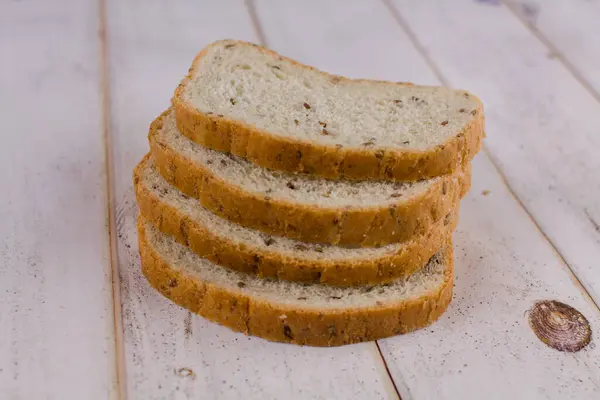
(185, 373)
(560, 326)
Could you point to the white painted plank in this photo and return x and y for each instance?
(56, 313)
(572, 27)
(151, 46)
(341, 37)
(542, 124)
(483, 347)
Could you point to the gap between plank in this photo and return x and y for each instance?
(114, 261)
(512, 7)
(387, 369)
(574, 277)
(255, 21)
(262, 38)
(413, 38)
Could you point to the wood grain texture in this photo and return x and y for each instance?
(542, 125)
(56, 312)
(171, 353)
(324, 34)
(483, 347)
(571, 29)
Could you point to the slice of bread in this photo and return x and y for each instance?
(307, 314)
(254, 252)
(298, 206)
(277, 113)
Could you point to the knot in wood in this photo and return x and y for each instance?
(560, 326)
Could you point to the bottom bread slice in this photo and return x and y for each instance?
(282, 311)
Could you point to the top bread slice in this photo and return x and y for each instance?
(244, 99)
(298, 206)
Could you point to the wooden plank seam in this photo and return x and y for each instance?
(512, 7)
(411, 35)
(110, 203)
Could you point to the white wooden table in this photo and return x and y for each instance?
(80, 82)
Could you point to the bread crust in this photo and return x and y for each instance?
(270, 263)
(289, 154)
(343, 226)
(241, 312)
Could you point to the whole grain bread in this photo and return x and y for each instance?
(253, 252)
(306, 314)
(299, 206)
(280, 114)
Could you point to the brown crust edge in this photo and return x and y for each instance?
(287, 154)
(357, 226)
(285, 323)
(272, 264)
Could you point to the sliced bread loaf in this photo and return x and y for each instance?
(298, 206)
(254, 252)
(283, 311)
(277, 113)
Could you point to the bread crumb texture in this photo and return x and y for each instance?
(280, 114)
(307, 314)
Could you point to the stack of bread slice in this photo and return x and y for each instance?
(303, 207)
